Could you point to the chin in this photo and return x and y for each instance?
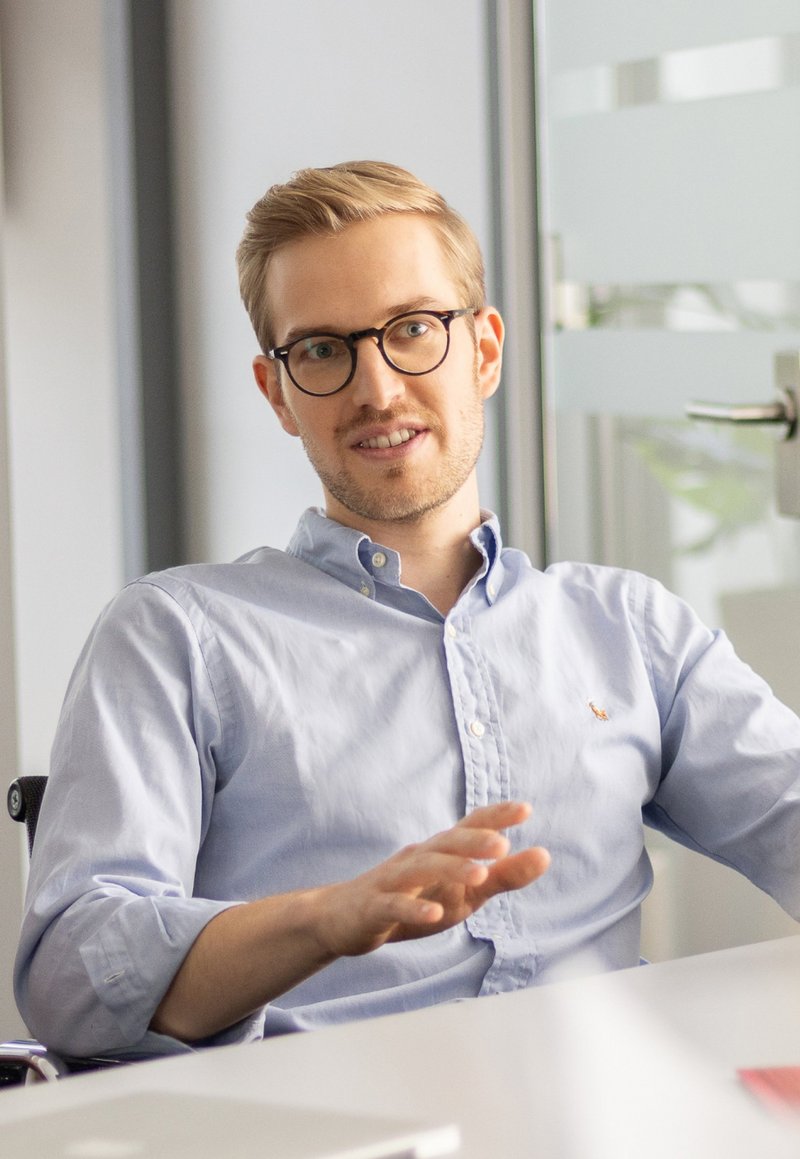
(393, 508)
(396, 498)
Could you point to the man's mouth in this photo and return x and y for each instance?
(383, 442)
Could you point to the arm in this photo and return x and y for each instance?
(109, 912)
(248, 955)
(730, 788)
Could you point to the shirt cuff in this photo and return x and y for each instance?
(135, 954)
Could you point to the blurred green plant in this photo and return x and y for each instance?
(723, 472)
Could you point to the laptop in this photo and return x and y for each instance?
(160, 1125)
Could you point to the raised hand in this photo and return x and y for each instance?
(429, 887)
(249, 954)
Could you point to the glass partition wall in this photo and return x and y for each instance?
(669, 186)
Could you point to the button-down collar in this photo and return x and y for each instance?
(356, 560)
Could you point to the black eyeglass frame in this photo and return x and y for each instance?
(281, 353)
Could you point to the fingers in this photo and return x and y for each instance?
(499, 816)
(400, 909)
(422, 866)
(468, 841)
(478, 834)
(471, 854)
(518, 870)
(431, 885)
(456, 854)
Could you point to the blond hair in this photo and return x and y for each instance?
(326, 201)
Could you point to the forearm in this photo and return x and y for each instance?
(250, 954)
(242, 959)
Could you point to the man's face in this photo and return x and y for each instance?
(362, 277)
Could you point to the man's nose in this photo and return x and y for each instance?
(375, 383)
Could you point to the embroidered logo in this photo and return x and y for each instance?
(600, 713)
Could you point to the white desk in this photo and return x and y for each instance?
(640, 1063)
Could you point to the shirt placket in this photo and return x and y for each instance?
(486, 780)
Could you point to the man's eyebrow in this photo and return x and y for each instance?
(423, 303)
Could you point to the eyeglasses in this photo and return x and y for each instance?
(413, 343)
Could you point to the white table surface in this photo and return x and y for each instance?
(638, 1063)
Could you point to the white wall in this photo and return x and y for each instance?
(11, 856)
(263, 88)
(59, 368)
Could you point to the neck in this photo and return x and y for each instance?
(438, 558)
(438, 567)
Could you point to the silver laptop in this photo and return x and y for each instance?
(160, 1125)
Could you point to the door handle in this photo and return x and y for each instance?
(782, 410)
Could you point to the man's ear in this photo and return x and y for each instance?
(489, 334)
(266, 374)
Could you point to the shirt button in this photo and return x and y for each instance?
(365, 590)
(477, 728)
(379, 559)
(451, 631)
(492, 590)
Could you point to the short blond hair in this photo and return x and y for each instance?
(325, 201)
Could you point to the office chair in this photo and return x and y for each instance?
(24, 1060)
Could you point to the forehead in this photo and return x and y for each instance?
(360, 276)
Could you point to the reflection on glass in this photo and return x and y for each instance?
(762, 64)
(745, 305)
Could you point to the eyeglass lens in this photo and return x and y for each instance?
(413, 343)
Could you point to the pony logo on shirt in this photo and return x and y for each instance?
(600, 713)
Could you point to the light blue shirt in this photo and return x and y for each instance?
(295, 717)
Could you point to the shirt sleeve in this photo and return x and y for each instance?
(109, 913)
(730, 785)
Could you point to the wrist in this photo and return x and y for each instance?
(318, 923)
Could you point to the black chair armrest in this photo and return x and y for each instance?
(24, 802)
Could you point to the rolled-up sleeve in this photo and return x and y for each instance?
(109, 912)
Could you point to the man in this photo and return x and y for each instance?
(319, 784)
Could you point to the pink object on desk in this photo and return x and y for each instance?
(777, 1086)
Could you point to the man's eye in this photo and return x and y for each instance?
(411, 328)
(320, 350)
